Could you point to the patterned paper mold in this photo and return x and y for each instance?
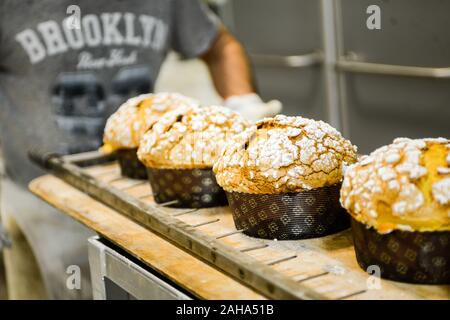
(126, 126)
(284, 154)
(130, 166)
(413, 257)
(282, 178)
(289, 216)
(189, 137)
(402, 186)
(186, 188)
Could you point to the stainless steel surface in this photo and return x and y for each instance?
(413, 32)
(96, 267)
(383, 97)
(331, 80)
(129, 278)
(284, 41)
(353, 64)
(85, 157)
(297, 61)
(395, 84)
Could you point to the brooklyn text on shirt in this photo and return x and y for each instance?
(50, 37)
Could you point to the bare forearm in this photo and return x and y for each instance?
(229, 66)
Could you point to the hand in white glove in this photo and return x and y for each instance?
(252, 108)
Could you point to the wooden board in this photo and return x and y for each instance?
(238, 264)
(325, 266)
(200, 279)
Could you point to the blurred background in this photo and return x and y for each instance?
(319, 58)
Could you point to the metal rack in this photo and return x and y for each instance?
(308, 269)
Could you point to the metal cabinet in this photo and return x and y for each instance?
(400, 83)
(320, 59)
(117, 276)
(284, 41)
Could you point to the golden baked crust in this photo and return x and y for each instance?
(284, 154)
(403, 186)
(189, 137)
(127, 125)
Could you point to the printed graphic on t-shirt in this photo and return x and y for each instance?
(79, 99)
(79, 102)
(79, 109)
(50, 38)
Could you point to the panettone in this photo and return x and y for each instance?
(402, 186)
(126, 126)
(189, 137)
(284, 154)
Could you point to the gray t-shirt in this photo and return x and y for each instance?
(61, 77)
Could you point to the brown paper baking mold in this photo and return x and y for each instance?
(188, 188)
(130, 166)
(414, 257)
(289, 216)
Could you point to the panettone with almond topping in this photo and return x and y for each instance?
(282, 178)
(284, 154)
(179, 152)
(402, 186)
(399, 200)
(126, 126)
(189, 137)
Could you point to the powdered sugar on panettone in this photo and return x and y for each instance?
(391, 184)
(284, 154)
(126, 126)
(189, 137)
(392, 157)
(441, 191)
(409, 198)
(119, 126)
(443, 170)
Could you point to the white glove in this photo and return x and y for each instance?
(252, 108)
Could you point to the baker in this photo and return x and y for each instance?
(61, 76)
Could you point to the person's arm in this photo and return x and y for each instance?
(232, 76)
(197, 32)
(229, 66)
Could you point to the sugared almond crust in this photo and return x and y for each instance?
(403, 186)
(189, 137)
(126, 126)
(284, 154)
